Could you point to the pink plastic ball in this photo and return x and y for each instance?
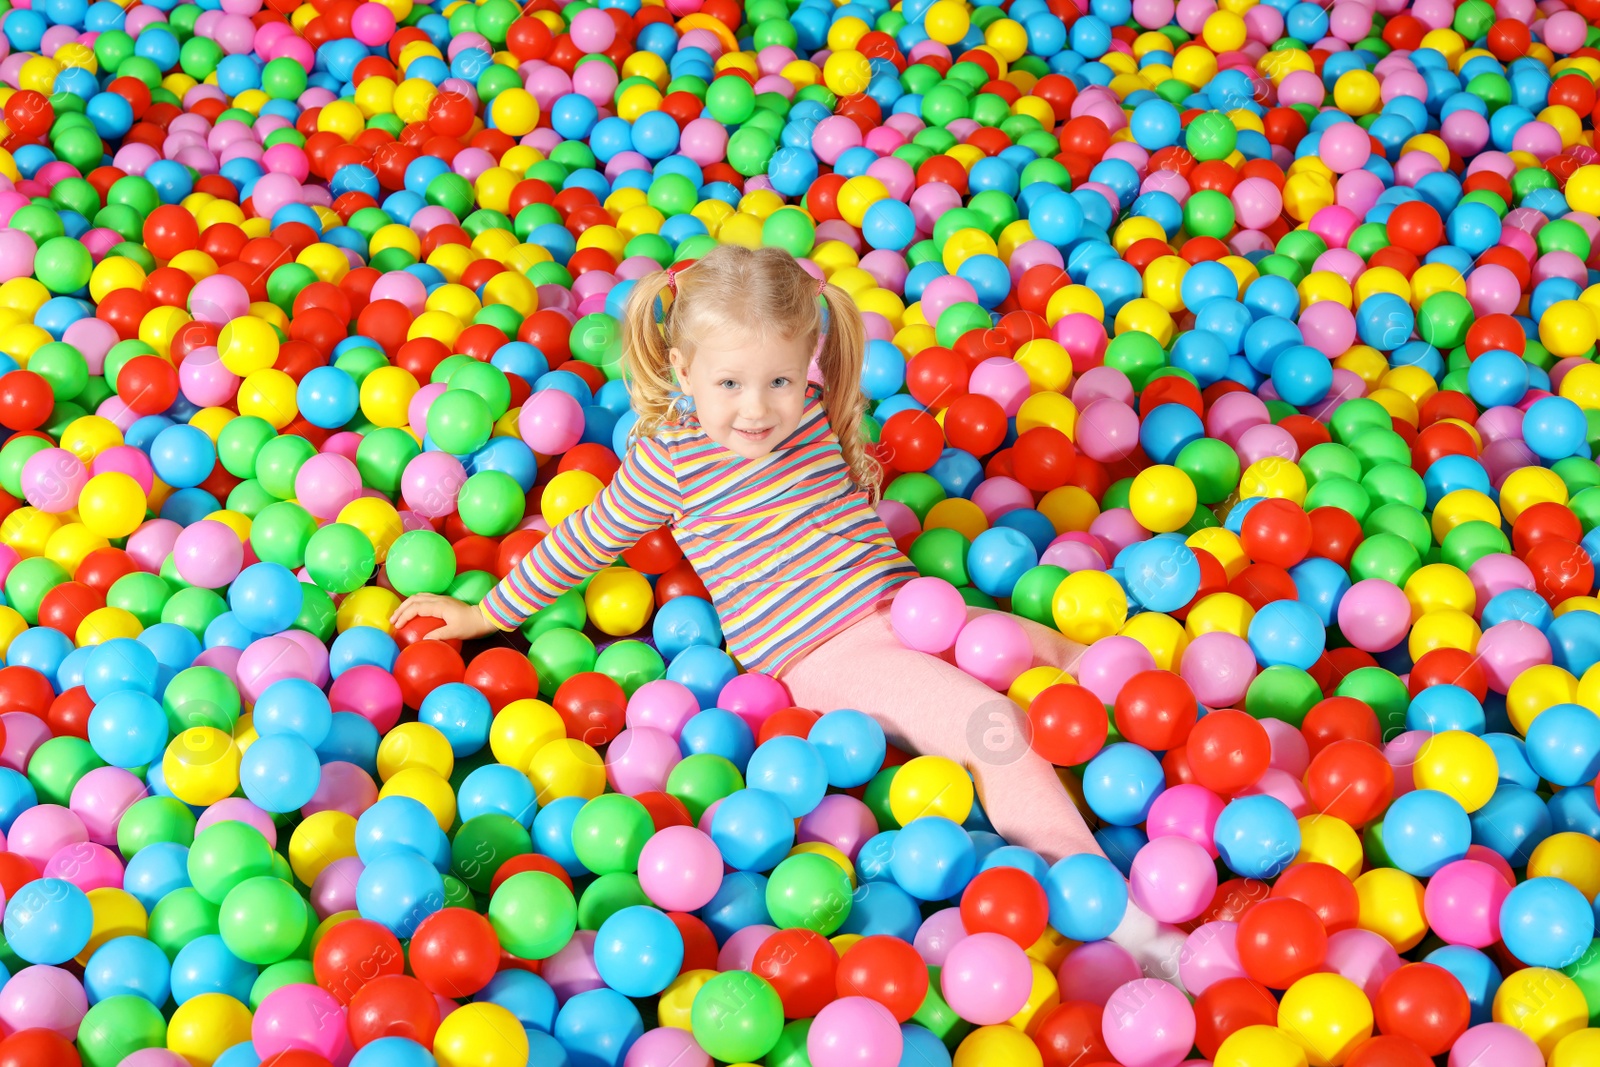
(1462, 903)
(986, 978)
(1094, 970)
(680, 868)
(927, 614)
(753, 697)
(1148, 1023)
(994, 649)
(1210, 955)
(938, 934)
(1172, 879)
(593, 31)
(639, 759)
(299, 1016)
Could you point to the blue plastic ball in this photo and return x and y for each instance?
(852, 747)
(128, 729)
(399, 890)
(1563, 744)
(280, 773)
(933, 858)
(1546, 922)
(752, 829)
(266, 597)
(1257, 836)
(638, 951)
(1088, 897)
(48, 921)
(1425, 829)
(1121, 783)
(791, 769)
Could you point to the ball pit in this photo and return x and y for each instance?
(1249, 345)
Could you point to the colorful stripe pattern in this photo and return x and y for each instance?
(790, 550)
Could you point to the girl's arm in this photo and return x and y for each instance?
(642, 496)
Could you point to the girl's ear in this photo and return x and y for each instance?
(680, 369)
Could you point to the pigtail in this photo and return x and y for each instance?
(646, 355)
(843, 350)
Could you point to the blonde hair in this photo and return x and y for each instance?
(763, 291)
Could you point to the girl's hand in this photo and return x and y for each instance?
(461, 621)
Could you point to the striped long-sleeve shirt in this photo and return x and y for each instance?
(789, 549)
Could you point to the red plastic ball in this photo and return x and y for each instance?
(1070, 1035)
(423, 667)
(802, 967)
(353, 953)
(502, 675)
(1007, 901)
(1281, 941)
(454, 952)
(1325, 890)
(1388, 1050)
(1156, 709)
(1424, 1003)
(1069, 724)
(37, 1048)
(1350, 780)
(887, 970)
(592, 706)
(1340, 719)
(909, 440)
(1228, 751)
(1228, 1006)
(1278, 532)
(394, 1005)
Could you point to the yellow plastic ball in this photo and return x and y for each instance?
(566, 493)
(1541, 686)
(430, 790)
(248, 344)
(1260, 1046)
(1162, 498)
(415, 744)
(204, 1027)
(857, 195)
(1089, 605)
(1581, 1048)
(112, 504)
(1390, 903)
(1542, 1003)
(1048, 365)
(566, 768)
(270, 395)
(117, 913)
(1460, 765)
(1330, 840)
(947, 21)
(1223, 31)
(201, 765)
(367, 606)
(1568, 328)
(377, 520)
(521, 729)
(1570, 856)
(847, 72)
(104, 624)
(481, 1034)
(931, 785)
(619, 601)
(997, 1046)
(1328, 1015)
(386, 396)
(515, 111)
(323, 837)
(677, 1000)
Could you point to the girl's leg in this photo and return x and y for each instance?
(931, 707)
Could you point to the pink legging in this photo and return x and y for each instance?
(931, 707)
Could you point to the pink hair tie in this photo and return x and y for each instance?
(672, 280)
(822, 283)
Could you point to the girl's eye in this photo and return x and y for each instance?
(727, 383)
(779, 383)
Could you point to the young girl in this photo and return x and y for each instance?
(768, 489)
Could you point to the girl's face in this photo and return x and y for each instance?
(748, 393)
